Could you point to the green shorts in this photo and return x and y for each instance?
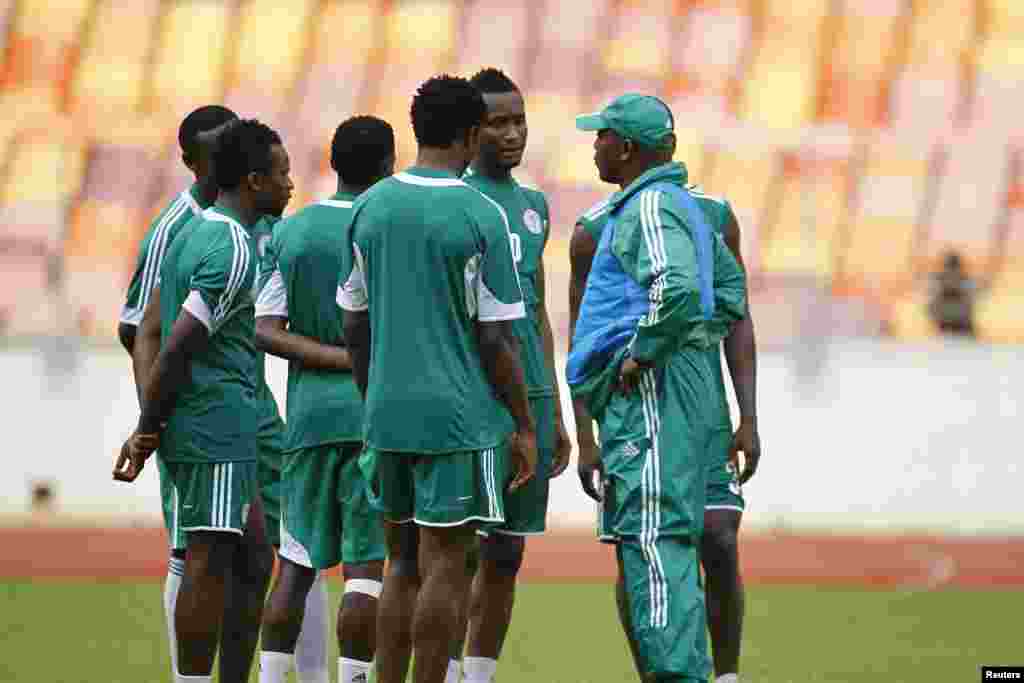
(269, 456)
(666, 606)
(175, 536)
(327, 518)
(526, 509)
(211, 496)
(448, 489)
(724, 492)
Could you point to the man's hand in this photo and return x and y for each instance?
(134, 453)
(563, 449)
(629, 375)
(590, 469)
(524, 455)
(748, 441)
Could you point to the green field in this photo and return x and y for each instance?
(564, 633)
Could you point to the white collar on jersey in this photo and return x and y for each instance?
(211, 214)
(336, 203)
(186, 194)
(424, 181)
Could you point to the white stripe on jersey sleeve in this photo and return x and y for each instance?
(273, 298)
(490, 309)
(196, 305)
(351, 295)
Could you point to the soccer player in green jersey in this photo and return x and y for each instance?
(502, 143)
(326, 518)
(723, 508)
(199, 402)
(196, 136)
(662, 290)
(429, 289)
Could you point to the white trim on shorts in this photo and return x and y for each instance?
(467, 520)
(225, 529)
(505, 532)
(737, 508)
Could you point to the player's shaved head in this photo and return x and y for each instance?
(444, 111)
(199, 121)
(363, 150)
(493, 81)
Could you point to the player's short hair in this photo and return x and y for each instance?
(493, 81)
(201, 120)
(243, 148)
(359, 147)
(445, 108)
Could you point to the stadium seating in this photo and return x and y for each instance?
(969, 200)
(271, 45)
(496, 34)
(337, 79)
(190, 56)
(856, 71)
(766, 93)
(890, 205)
(803, 234)
(43, 43)
(110, 79)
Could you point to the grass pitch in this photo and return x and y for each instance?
(562, 633)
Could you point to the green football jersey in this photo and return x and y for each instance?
(430, 257)
(210, 271)
(527, 212)
(718, 213)
(162, 231)
(270, 417)
(298, 282)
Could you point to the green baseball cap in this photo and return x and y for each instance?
(644, 119)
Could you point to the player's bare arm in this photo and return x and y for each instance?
(357, 338)
(741, 357)
(188, 337)
(500, 361)
(582, 248)
(146, 343)
(563, 446)
(273, 337)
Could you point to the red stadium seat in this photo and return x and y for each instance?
(714, 49)
(640, 42)
(43, 44)
(857, 70)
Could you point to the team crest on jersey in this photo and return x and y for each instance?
(532, 221)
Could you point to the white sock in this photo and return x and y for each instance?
(178, 678)
(454, 671)
(175, 568)
(728, 678)
(274, 666)
(479, 669)
(311, 648)
(353, 671)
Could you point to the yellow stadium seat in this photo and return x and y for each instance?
(642, 39)
(780, 96)
(102, 235)
(1003, 16)
(690, 151)
(998, 318)
(1002, 56)
(942, 32)
(346, 32)
(803, 236)
(272, 40)
(550, 116)
(717, 37)
(45, 165)
(190, 58)
(879, 251)
(116, 49)
(573, 165)
(743, 171)
(421, 32)
(909, 319)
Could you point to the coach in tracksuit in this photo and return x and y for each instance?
(663, 288)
